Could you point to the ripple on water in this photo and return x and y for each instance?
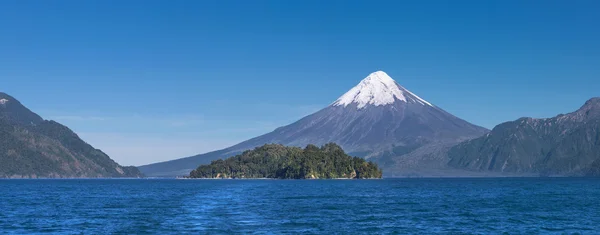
(391, 206)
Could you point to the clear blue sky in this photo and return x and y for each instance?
(156, 80)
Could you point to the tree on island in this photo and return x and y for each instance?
(281, 162)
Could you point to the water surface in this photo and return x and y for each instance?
(401, 206)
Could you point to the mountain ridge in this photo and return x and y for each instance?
(376, 116)
(567, 144)
(31, 147)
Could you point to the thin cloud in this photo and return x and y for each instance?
(136, 139)
(78, 118)
(138, 149)
(136, 119)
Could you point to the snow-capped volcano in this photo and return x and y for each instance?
(378, 89)
(376, 119)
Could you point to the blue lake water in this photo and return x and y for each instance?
(401, 206)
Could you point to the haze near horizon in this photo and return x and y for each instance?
(149, 81)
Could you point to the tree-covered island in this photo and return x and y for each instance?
(280, 162)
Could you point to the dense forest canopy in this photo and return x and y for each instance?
(31, 147)
(281, 162)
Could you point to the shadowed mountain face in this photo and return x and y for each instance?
(12, 110)
(31, 147)
(378, 119)
(563, 145)
(594, 169)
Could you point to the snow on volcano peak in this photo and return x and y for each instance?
(3, 101)
(378, 89)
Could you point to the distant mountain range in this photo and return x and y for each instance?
(31, 147)
(565, 145)
(378, 119)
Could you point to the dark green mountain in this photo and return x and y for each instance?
(565, 145)
(31, 147)
(278, 161)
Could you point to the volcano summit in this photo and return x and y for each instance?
(377, 119)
